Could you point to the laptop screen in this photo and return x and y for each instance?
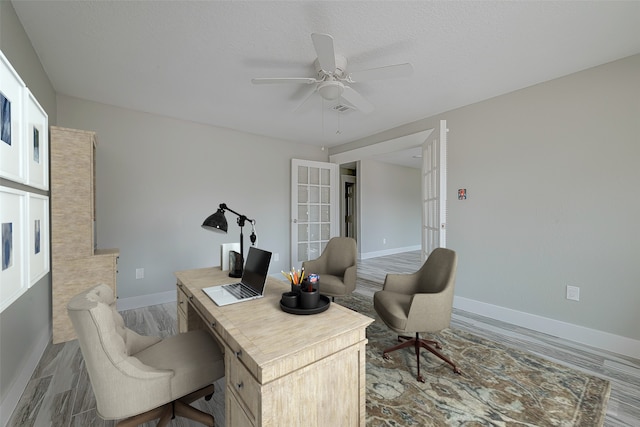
(256, 269)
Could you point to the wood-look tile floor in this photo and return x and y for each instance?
(59, 392)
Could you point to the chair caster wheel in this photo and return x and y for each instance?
(208, 397)
(457, 370)
(386, 356)
(421, 379)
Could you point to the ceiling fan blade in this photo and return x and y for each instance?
(355, 99)
(306, 98)
(386, 72)
(284, 80)
(323, 43)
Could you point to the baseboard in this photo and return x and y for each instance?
(367, 255)
(579, 334)
(16, 389)
(146, 300)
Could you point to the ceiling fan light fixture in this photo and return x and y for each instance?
(331, 89)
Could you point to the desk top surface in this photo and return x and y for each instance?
(273, 341)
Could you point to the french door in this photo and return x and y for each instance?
(434, 190)
(314, 208)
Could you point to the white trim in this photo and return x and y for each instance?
(146, 300)
(384, 147)
(580, 334)
(386, 252)
(14, 393)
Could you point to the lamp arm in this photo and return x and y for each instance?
(241, 218)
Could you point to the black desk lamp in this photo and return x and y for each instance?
(218, 222)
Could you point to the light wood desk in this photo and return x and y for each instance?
(281, 369)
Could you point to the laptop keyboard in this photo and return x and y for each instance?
(239, 291)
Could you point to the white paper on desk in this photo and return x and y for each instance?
(225, 248)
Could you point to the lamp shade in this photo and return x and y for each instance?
(216, 222)
(331, 89)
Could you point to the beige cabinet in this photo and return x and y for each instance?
(75, 263)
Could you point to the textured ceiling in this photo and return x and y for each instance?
(195, 60)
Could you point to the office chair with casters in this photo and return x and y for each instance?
(419, 302)
(337, 267)
(137, 378)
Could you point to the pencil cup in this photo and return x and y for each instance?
(290, 299)
(308, 285)
(309, 299)
(295, 288)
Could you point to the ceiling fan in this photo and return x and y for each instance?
(332, 79)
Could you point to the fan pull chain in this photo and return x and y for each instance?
(323, 123)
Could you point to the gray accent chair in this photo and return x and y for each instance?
(139, 378)
(419, 302)
(337, 267)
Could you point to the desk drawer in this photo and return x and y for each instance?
(183, 300)
(244, 386)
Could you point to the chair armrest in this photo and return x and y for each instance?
(433, 310)
(134, 368)
(139, 388)
(349, 278)
(136, 342)
(404, 283)
(314, 266)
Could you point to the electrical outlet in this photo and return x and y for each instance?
(276, 257)
(573, 293)
(139, 273)
(384, 241)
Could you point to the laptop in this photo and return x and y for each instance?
(250, 286)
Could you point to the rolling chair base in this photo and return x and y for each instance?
(178, 407)
(417, 343)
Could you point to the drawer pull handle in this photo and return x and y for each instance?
(191, 298)
(213, 324)
(238, 354)
(240, 385)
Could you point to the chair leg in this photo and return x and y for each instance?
(146, 416)
(186, 411)
(432, 346)
(167, 416)
(183, 409)
(406, 343)
(180, 408)
(418, 343)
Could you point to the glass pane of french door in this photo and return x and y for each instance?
(313, 208)
(434, 190)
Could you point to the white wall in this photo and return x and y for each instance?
(159, 178)
(551, 173)
(390, 209)
(25, 326)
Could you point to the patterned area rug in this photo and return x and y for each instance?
(499, 386)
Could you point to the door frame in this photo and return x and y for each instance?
(334, 225)
(434, 190)
(354, 180)
(413, 140)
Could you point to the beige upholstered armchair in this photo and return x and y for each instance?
(337, 267)
(137, 377)
(419, 302)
